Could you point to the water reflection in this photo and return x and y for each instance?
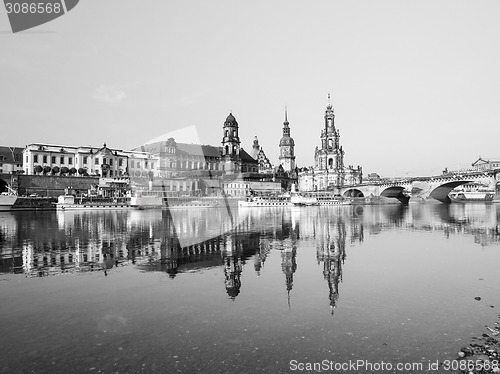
(48, 243)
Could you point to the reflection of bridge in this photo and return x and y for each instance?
(422, 188)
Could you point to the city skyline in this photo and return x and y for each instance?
(414, 86)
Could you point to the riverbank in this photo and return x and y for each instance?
(482, 355)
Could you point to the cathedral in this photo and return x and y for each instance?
(329, 171)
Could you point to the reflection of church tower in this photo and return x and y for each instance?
(259, 258)
(232, 271)
(231, 145)
(289, 266)
(333, 257)
(287, 148)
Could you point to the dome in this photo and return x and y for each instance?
(286, 140)
(230, 119)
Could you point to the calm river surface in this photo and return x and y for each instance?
(243, 291)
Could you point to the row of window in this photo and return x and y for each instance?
(85, 160)
(138, 164)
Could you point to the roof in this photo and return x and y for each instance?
(198, 149)
(481, 160)
(245, 157)
(6, 152)
(286, 140)
(230, 120)
(182, 148)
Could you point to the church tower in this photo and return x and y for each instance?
(330, 157)
(287, 148)
(231, 145)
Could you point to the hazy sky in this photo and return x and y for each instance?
(415, 84)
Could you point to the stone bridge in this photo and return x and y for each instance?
(396, 190)
(423, 188)
(439, 187)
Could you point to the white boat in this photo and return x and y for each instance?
(146, 201)
(303, 200)
(7, 200)
(67, 202)
(472, 196)
(327, 200)
(268, 201)
(319, 198)
(472, 192)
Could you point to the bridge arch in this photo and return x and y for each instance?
(3, 185)
(441, 192)
(396, 192)
(353, 192)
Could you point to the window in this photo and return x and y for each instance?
(152, 165)
(35, 158)
(53, 159)
(146, 164)
(70, 160)
(85, 159)
(26, 158)
(97, 160)
(110, 162)
(120, 162)
(62, 160)
(44, 159)
(104, 161)
(131, 163)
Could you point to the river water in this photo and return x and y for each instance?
(245, 290)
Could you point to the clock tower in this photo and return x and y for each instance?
(231, 145)
(287, 148)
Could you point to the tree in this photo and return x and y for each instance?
(38, 169)
(72, 171)
(64, 170)
(55, 170)
(81, 171)
(46, 169)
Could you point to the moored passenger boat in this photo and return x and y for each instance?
(67, 202)
(303, 199)
(473, 196)
(472, 192)
(266, 201)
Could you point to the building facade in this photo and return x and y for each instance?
(182, 167)
(258, 154)
(482, 164)
(52, 159)
(329, 171)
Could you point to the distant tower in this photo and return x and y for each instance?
(287, 148)
(255, 148)
(231, 145)
(330, 157)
